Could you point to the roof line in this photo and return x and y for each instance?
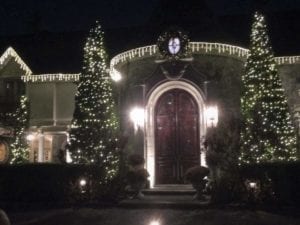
(196, 47)
(10, 52)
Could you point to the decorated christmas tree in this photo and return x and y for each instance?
(93, 135)
(267, 133)
(20, 122)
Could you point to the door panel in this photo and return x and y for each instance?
(176, 136)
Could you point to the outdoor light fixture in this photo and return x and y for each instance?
(253, 188)
(30, 137)
(253, 185)
(154, 222)
(68, 157)
(83, 185)
(211, 114)
(137, 116)
(82, 182)
(115, 75)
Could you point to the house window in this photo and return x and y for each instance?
(9, 89)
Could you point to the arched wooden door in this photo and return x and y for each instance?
(176, 136)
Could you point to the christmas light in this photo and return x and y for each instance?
(93, 135)
(10, 52)
(51, 78)
(195, 47)
(19, 147)
(137, 116)
(267, 134)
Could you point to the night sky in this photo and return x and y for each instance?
(24, 16)
(49, 34)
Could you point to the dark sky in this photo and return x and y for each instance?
(50, 34)
(25, 16)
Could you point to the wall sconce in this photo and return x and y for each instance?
(212, 116)
(137, 116)
(154, 222)
(30, 137)
(115, 75)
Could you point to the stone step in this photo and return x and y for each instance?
(170, 190)
(166, 196)
(166, 201)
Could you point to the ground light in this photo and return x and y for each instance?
(83, 185)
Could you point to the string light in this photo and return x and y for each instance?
(19, 147)
(10, 52)
(268, 133)
(95, 125)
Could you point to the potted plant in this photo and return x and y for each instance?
(137, 176)
(195, 175)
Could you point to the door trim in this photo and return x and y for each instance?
(149, 148)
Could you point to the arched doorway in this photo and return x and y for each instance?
(177, 141)
(153, 99)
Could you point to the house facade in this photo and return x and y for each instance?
(168, 94)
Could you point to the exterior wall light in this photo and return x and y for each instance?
(30, 137)
(115, 75)
(137, 116)
(211, 115)
(154, 222)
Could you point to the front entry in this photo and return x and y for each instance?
(176, 136)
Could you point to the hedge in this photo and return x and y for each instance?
(50, 183)
(284, 178)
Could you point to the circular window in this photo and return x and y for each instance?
(3, 152)
(174, 45)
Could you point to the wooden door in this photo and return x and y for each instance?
(176, 136)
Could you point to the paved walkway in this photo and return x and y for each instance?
(122, 216)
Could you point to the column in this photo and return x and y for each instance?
(41, 147)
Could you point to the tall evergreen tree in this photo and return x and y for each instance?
(93, 135)
(20, 122)
(267, 133)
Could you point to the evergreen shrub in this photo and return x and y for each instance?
(280, 179)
